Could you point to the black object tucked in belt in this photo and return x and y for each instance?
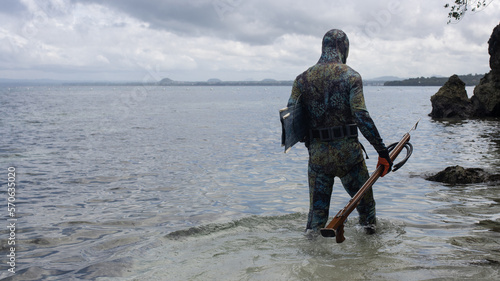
(331, 133)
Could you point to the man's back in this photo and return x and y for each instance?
(327, 90)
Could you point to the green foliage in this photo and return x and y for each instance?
(469, 80)
(459, 7)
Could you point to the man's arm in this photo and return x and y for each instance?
(366, 125)
(363, 119)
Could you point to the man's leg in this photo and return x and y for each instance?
(320, 192)
(352, 182)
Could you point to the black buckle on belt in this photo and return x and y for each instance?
(331, 133)
(352, 130)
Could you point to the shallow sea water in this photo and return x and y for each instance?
(190, 183)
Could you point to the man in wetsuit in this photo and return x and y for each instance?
(332, 96)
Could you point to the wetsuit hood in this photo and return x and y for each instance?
(335, 47)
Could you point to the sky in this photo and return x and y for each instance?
(197, 40)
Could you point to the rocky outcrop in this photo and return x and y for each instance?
(459, 175)
(486, 99)
(451, 101)
(494, 49)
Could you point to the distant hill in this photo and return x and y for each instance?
(386, 78)
(214, 81)
(469, 80)
(163, 82)
(166, 81)
(379, 81)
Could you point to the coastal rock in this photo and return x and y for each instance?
(460, 175)
(451, 101)
(486, 99)
(494, 49)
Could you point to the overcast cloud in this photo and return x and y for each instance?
(196, 40)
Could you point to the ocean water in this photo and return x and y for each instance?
(190, 183)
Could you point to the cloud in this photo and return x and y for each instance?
(10, 7)
(77, 37)
(258, 22)
(234, 39)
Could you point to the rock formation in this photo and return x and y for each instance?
(451, 101)
(460, 175)
(486, 99)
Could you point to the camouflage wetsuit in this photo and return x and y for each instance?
(332, 94)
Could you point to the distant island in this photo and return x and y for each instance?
(266, 82)
(469, 80)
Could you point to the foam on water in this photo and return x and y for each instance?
(276, 248)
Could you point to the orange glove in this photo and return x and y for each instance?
(384, 160)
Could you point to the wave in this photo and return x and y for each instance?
(271, 223)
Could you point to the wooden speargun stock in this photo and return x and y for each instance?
(336, 227)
